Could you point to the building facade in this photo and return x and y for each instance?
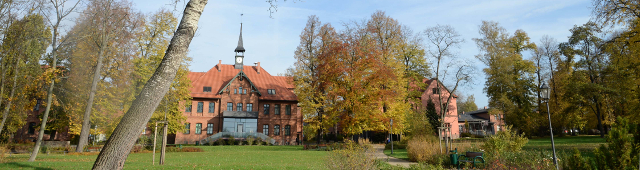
(480, 122)
(240, 101)
(431, 92)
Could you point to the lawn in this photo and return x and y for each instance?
(397, 153)
(214, 157)
(586, 144)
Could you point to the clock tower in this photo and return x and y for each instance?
(239, 60)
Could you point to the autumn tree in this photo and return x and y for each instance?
(314, 41)
(152, 42)
(23, 46)
(109, 27)
(118, 146)
(52, 72)
(510, 79)
(588, 76)
(466, 104)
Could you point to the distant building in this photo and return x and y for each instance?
(240, 101)
(480, 122)
(432, 92)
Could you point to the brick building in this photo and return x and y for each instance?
(432, 92)
(240, 100)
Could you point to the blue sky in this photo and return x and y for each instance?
(272, 41)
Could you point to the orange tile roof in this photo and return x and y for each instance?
(287, 81)
(217, 80)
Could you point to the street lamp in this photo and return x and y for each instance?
(544, 93)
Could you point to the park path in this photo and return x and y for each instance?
(379, 154)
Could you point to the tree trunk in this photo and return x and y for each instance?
(6, 107)
(118, 147)
(86, 124)
(599, 117)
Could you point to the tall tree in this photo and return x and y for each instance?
(117, 148)
(510, 84)
(60, 14)
(311, 91)
(23, 46)
(152, 41)
(107, 19)
(442, 41)
(588, 77)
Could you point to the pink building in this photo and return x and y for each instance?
(431, 92)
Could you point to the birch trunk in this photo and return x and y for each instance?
(118, 147)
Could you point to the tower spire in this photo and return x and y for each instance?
(240, 48)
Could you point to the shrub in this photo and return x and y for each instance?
(619, 151)
(250, 140)
(136, 148)
(364, 141)
(465, 134)
(506, 140)
(402, 144)
(520, 160)
(220, 141)
(259, 141)
(353, 156)
(172, 149)
(231, 141)
(3, 151)
(575, 161)
(191, 149)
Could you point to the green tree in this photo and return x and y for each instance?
(510, 83)
(588, 76)
(152, 42)
(466, 104)
(24, 44)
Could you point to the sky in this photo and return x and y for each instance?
(272, 41)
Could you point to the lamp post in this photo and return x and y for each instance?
(544, 93)
(391, 134)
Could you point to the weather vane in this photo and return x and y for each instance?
(241, 14)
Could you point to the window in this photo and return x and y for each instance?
(266, 109)
(212, 107)
(37, 107)
(276, 130)
(198, 128)
(209, 128)
(276, 109)
(287, 110)
(200, 107)
(206, 89)
(229, 106)
(244, 91)
(265, 129)
(187, 128)
(287, 130)
(240, 90)
(235, 91)
(32, 127)
(188, 108)
(436, 91)
(249, 107)
(271, 91)
(239, 107)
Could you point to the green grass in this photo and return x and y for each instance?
(397, 153)
(586, 144)
(214, 157)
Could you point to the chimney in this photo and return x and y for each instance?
(258, 68)
(219, 65)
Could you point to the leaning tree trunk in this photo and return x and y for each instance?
(13, 89)
(117, 148)
(4, 116)
(86, 123)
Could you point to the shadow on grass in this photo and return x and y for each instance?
(13, 165)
